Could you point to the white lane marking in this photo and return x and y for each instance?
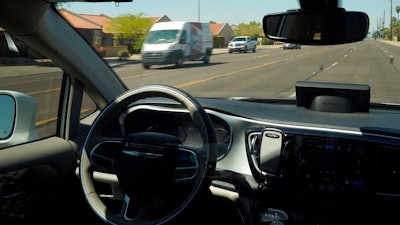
(332, 66)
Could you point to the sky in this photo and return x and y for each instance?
(224, 11)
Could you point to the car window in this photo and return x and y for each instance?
(158, 37)
(27, 74)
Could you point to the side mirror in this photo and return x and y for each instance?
(17, 118)
(316, 28)
(7, 115)
(182, 41)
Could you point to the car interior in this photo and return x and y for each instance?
(106, 153)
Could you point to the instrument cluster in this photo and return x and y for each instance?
(177, 123)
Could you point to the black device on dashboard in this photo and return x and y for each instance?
(333, 97)
(270, 150)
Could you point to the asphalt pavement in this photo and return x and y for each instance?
(136, 58)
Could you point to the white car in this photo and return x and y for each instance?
(242, 44)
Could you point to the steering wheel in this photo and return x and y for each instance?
(152, 176)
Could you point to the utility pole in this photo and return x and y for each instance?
(383, 19)
(198, 10)
(391, 20)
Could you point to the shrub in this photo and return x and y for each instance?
(123, 54)
(267, 41)
(138, 43)
(218, 42)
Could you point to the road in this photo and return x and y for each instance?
(270, 72)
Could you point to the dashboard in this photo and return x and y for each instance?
(289, 159)
(317, 160)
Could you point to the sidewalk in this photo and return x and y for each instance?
(396, 43)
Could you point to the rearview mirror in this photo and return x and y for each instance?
(316, 28)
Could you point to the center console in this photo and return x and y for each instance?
(323, 179)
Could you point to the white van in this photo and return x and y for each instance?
(175, 42)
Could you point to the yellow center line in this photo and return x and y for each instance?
(44, 91)
(159, 72)
(193, 82)
(220, 76)
(143, 75)
(232, 73)
(42, 122)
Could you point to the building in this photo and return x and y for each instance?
(96, 29)
(88, 28)
(164, 18)
(222, 30)
(107, 36)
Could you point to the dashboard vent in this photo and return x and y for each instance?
(253, 150)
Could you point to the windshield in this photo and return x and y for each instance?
(266, 70)
(161, 36)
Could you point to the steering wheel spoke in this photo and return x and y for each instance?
(133, 210)
(111, 180)
(102, 155)
(187, 164)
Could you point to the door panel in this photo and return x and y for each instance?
(38, 184)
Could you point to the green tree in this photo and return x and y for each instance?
(131, 28)
(397, 11)
(252, 29)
